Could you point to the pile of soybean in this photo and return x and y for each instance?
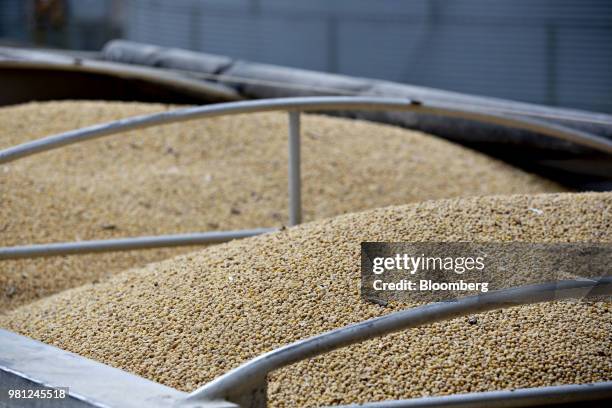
(212, 174)
(186, 320)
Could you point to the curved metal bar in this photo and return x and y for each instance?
(127, 244)
(246, 383)
(198, 112)
(299, 104)
(522, 397)
(561, 132)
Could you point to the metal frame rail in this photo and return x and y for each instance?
(293, 106)
(92, 384)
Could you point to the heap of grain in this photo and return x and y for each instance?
(214, 174)
(184, 321)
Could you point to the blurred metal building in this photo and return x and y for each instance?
(12, 20)
(72, 24)
(556, 52)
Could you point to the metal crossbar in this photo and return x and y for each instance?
(294, 106)
(127, 244)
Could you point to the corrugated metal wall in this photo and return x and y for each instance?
(89, 24)
(556, 52)
(12, 19)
